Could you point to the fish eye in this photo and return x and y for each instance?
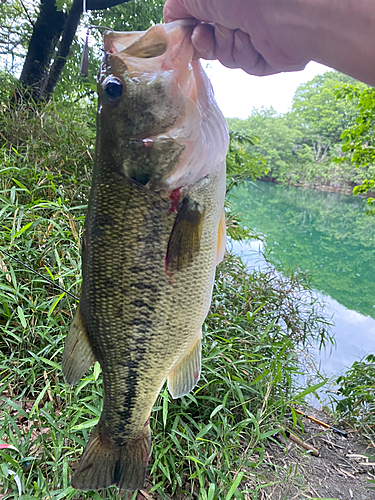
(113, 88)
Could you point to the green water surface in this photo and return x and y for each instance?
(328, 234)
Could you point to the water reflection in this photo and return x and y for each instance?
(329, 235)
(355, 337)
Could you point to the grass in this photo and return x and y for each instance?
(208, 445)
(355, 396)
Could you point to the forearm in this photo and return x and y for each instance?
(341, 34)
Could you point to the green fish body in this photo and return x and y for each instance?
(153, 235)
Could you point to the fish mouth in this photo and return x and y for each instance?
(145, 44)
(165, 53)
(160, 48)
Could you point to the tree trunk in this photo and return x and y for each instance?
(63, 51)
(37, 72)
(46, 33)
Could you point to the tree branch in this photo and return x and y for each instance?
(27, 14)
(67, 40)
(324, 153)
(103, 4)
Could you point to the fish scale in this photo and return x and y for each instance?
(152, 239)
(124, 247)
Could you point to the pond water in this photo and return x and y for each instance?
(328, 234)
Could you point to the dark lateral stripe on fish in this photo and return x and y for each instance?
(139, 303)
(144, 286)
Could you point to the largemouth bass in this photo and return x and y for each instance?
(153, 234)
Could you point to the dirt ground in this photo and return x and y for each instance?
(344, 469)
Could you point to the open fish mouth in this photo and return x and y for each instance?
(160, 49)
(161, 60)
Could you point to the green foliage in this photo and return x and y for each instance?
(300, 146)
(356, 390)
(15, 33)
(242, 164)
(136, 15)
(275, 142)
(318, 115)
(359, 138)
(210, 442)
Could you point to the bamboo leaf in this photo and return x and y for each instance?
(22, 230)
(38, 400)
(234, 486)
(21, 316)
(309, 390)
(55, 302)
(22, 186)
(86, 425)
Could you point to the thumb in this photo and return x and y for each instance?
(175, 9)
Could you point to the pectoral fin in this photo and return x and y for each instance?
(78, 355)
(221, 239)
(185, 376)
(185, 238)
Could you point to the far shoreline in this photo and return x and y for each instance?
(348, 190)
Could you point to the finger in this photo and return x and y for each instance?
(235, 50)
(247, 57)
(224, 42)
(203, 39)
(208, 11)
(177, 9)
(253, 62)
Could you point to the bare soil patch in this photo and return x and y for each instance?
(343, 470)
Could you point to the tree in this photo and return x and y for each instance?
(359, 145)
(15, 31)
(318, 115)
(242, 164)
(276, 143)
(300, 146)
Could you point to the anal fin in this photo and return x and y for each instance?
(77, 355)
(185, 376)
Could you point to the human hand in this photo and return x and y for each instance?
(262, 37)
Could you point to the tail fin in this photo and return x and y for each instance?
(104, 463)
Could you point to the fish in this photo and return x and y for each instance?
(153, 235)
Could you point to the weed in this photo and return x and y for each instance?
(356, 391)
